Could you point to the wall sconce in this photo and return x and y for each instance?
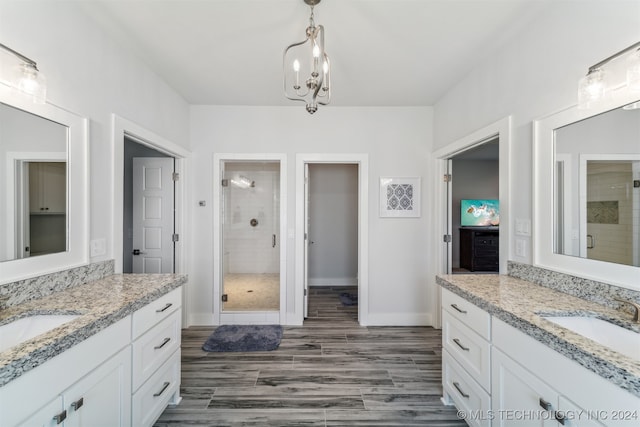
(604, 78)
(27, 78)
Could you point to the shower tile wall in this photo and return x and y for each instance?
(249, 249)
(611, 231)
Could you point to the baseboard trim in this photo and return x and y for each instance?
(399, 319)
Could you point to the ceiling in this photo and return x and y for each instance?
(383, 52)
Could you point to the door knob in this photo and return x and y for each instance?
(137, 252)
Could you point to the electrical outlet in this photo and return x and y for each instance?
(98, 247)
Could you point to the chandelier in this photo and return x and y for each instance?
(307, 69)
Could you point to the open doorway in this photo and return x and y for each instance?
(331, 194)
(355, 169)
(475, 208)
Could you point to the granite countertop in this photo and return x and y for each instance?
(99, 304)
(520, 303)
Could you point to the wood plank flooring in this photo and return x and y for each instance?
(329, 372)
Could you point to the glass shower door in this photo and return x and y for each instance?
(250, 236)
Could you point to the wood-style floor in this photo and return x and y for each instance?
(329, 372)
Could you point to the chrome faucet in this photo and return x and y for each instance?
(635, 305)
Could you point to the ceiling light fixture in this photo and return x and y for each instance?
(27, 78)
(308, 60)
(598, 83)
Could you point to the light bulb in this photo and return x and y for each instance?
(325, 67)
(28, 80)
(296, 65)
(316, 51)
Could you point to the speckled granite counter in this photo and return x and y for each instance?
(520, 303)
(99, 304)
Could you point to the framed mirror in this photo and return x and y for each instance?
(44, 165)
(587, 193)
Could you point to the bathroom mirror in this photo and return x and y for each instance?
(587, 193)
(44, 215)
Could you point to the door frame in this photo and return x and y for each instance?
(362, 160)
(122, 127)
(250, 317)
(442, 205)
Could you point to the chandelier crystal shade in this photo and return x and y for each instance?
(307, 68)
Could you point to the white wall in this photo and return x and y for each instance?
(535, 74)
(90, 75)
(333, 224)
(397, 141)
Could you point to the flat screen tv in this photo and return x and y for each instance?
(479, 213)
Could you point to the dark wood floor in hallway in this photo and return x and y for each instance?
(329, 372)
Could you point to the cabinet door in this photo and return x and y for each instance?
(574, 416)
(102, 397)
(50, 415)
(519, 398)
(47, 187)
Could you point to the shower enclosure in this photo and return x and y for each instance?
(250, 225)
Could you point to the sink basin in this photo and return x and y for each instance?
(609, 335)
(26, 328)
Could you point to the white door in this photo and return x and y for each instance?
(307, 240)
(153, 200)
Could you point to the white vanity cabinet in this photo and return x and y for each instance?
(526, 372)
(125, 375)
(466, 357)
(87, 385)
(156, 358)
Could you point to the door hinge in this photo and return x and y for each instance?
(225, 182)
(447, 238)
(446, 177)
(175, 237)
(175, 176)
(224, 297)
(305, 236)
(305, 292)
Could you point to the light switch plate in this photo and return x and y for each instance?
(521, 248)
(523, 227)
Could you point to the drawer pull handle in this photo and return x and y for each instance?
(462, 393)
(164, 387)
(166, 340)
(60, 417)
(544, 404)
(455, 306)
(164, 308)
(457, 341)
(78, 404)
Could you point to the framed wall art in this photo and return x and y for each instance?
(400, 197)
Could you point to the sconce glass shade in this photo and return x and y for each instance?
(591, 89)
(633, 73)
(31, 82)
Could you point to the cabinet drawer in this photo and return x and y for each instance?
(151, 314)
(467, 395)
(149, 402)
(468, 348)
(154, 347)
(469, 314)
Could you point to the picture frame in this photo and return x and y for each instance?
(400, 197)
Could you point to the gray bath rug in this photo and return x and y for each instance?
(348, 299)
(244, 338)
